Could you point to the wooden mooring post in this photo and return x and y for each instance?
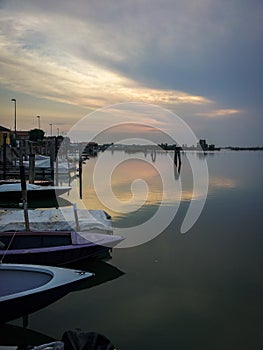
(80, 178)
(24, 194)
(31, 175)
(4, 155)
(177, 156)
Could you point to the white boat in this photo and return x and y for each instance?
(27, 288)
(13, 192)
(43, 162)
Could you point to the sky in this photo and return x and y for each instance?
(199, 59)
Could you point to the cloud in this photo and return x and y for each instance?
(219, 113)
(189, 56)
(56, 73)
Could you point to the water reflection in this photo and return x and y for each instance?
(149, 190)
(177, 170)
(174, 165)
(222, 182)
(12, 335)
(104, 273)
(123, 176)
(153, 155)
(192, 289)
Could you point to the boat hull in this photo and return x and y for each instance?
(32, 195)
(59, 256)
(26, 289)
(53, 248)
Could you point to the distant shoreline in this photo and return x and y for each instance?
(243, 148)
(180, 148)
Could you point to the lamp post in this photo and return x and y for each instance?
(50, 129)
(58, 131)
(14, 100)
(38, 117)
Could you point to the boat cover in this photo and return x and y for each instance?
(61, 219)
(44, 163)
(16, 187)
(79, 340)
(78, 238)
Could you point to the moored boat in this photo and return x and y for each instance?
(27, 288)
(57, 219)
(13, 192)
(55, 248)
(55, 236)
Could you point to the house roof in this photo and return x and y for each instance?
(22, 133)
(2, 128)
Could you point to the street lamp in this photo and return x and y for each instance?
(14, 100)
(38, 117)
(50, 129)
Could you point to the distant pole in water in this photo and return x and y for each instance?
(177, 162)
(177, 156)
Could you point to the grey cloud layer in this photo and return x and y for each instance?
(204, 48)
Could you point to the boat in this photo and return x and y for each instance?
(9, 181)
(44, 163)
(24, 338)
(56, 236)
(57, 219)
(55, 248)
(13, 192)
(14, 335)
(25, 289)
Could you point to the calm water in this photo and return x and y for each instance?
(200, 290)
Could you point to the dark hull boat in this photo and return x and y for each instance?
(56, 236)
(54, 247)
(27, 288)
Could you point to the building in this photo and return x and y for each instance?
(203, 144)
(4, 131)
(21, 134)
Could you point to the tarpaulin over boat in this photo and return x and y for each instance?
(79, 340)
(61, 219)
(43, 162)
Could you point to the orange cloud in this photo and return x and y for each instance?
(218, 113)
